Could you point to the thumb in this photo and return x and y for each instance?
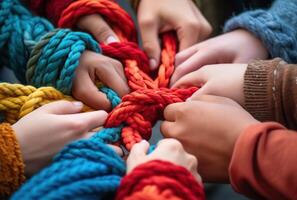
(202, 91)
(196, 78)
(150, 41)
(61, 107)
(96, 25)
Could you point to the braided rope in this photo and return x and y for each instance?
(93, 169)
(17, 100)
(19, 31)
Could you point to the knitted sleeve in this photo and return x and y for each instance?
(11, 162)
(275, 27)
(271, 91)
(159, 180)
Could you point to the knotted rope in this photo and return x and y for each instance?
(93, 170)
(19, 31)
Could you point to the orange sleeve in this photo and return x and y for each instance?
(11, 162)
(263, 164)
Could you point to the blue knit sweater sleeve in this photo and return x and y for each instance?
(276, 28)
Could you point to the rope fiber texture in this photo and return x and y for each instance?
(89, 169)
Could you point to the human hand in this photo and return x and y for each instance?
(96, 25)
(158, 16)
(239, 46)
(94, 67)
(224, 80)
(168, 150)
(44, 132)
(208, 127)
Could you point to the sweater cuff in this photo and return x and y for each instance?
(11, 162)
(278, 38)
(258, 87)
(157, 179)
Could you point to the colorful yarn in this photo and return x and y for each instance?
(89, 169)
(140, 109)
(159, 180)
(17, 100)
(19, 31)
(11, 162)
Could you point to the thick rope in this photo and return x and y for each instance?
(89, 169)
(17, 100)
(19, 31)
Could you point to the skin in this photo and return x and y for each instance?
(58, 124)
(96, 67)
(211, 135)
(224, 80)
(239, 46)
(169, 150)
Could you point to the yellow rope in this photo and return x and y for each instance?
(18, 100)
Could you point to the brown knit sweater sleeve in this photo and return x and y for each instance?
(270, 90)
(11, 162)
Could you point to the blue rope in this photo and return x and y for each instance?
(19, 30)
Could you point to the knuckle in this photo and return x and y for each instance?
(146, 21)
(174, 145)
(193, 25)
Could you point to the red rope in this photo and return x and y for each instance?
(141, 108)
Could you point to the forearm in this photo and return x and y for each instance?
(263, 162)
(160, 180)
(271, 91)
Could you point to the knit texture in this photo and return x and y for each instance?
(159, 180)
(19, 31)
(275, 27)
(11, 162)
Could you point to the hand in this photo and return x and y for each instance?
(168, 150)
(94, 67)
(95, 25)
(44, 132)
(158, 16)
(239, 46)
(224, 80)
(208, 127)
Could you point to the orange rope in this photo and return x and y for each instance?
(140, 109)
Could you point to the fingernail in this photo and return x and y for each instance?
(78, 104)
(111, 39)
(153, 64)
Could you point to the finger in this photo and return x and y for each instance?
(109, 76)
(170, 112)
(195, 62)
(150, 40)
(61, 107)
(204, 90)
(214, 99)
(196, 78)
(96, 25)
(89, 120)
(139, 150)
(188, 34)
(89, 93)
(166, 128)
(185, 54)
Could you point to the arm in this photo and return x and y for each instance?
(264, 161)
(11, 162)
(160, 180)
(274, 27)
(270, 91)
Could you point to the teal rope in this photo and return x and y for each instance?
(54, 59)
(19, 31)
